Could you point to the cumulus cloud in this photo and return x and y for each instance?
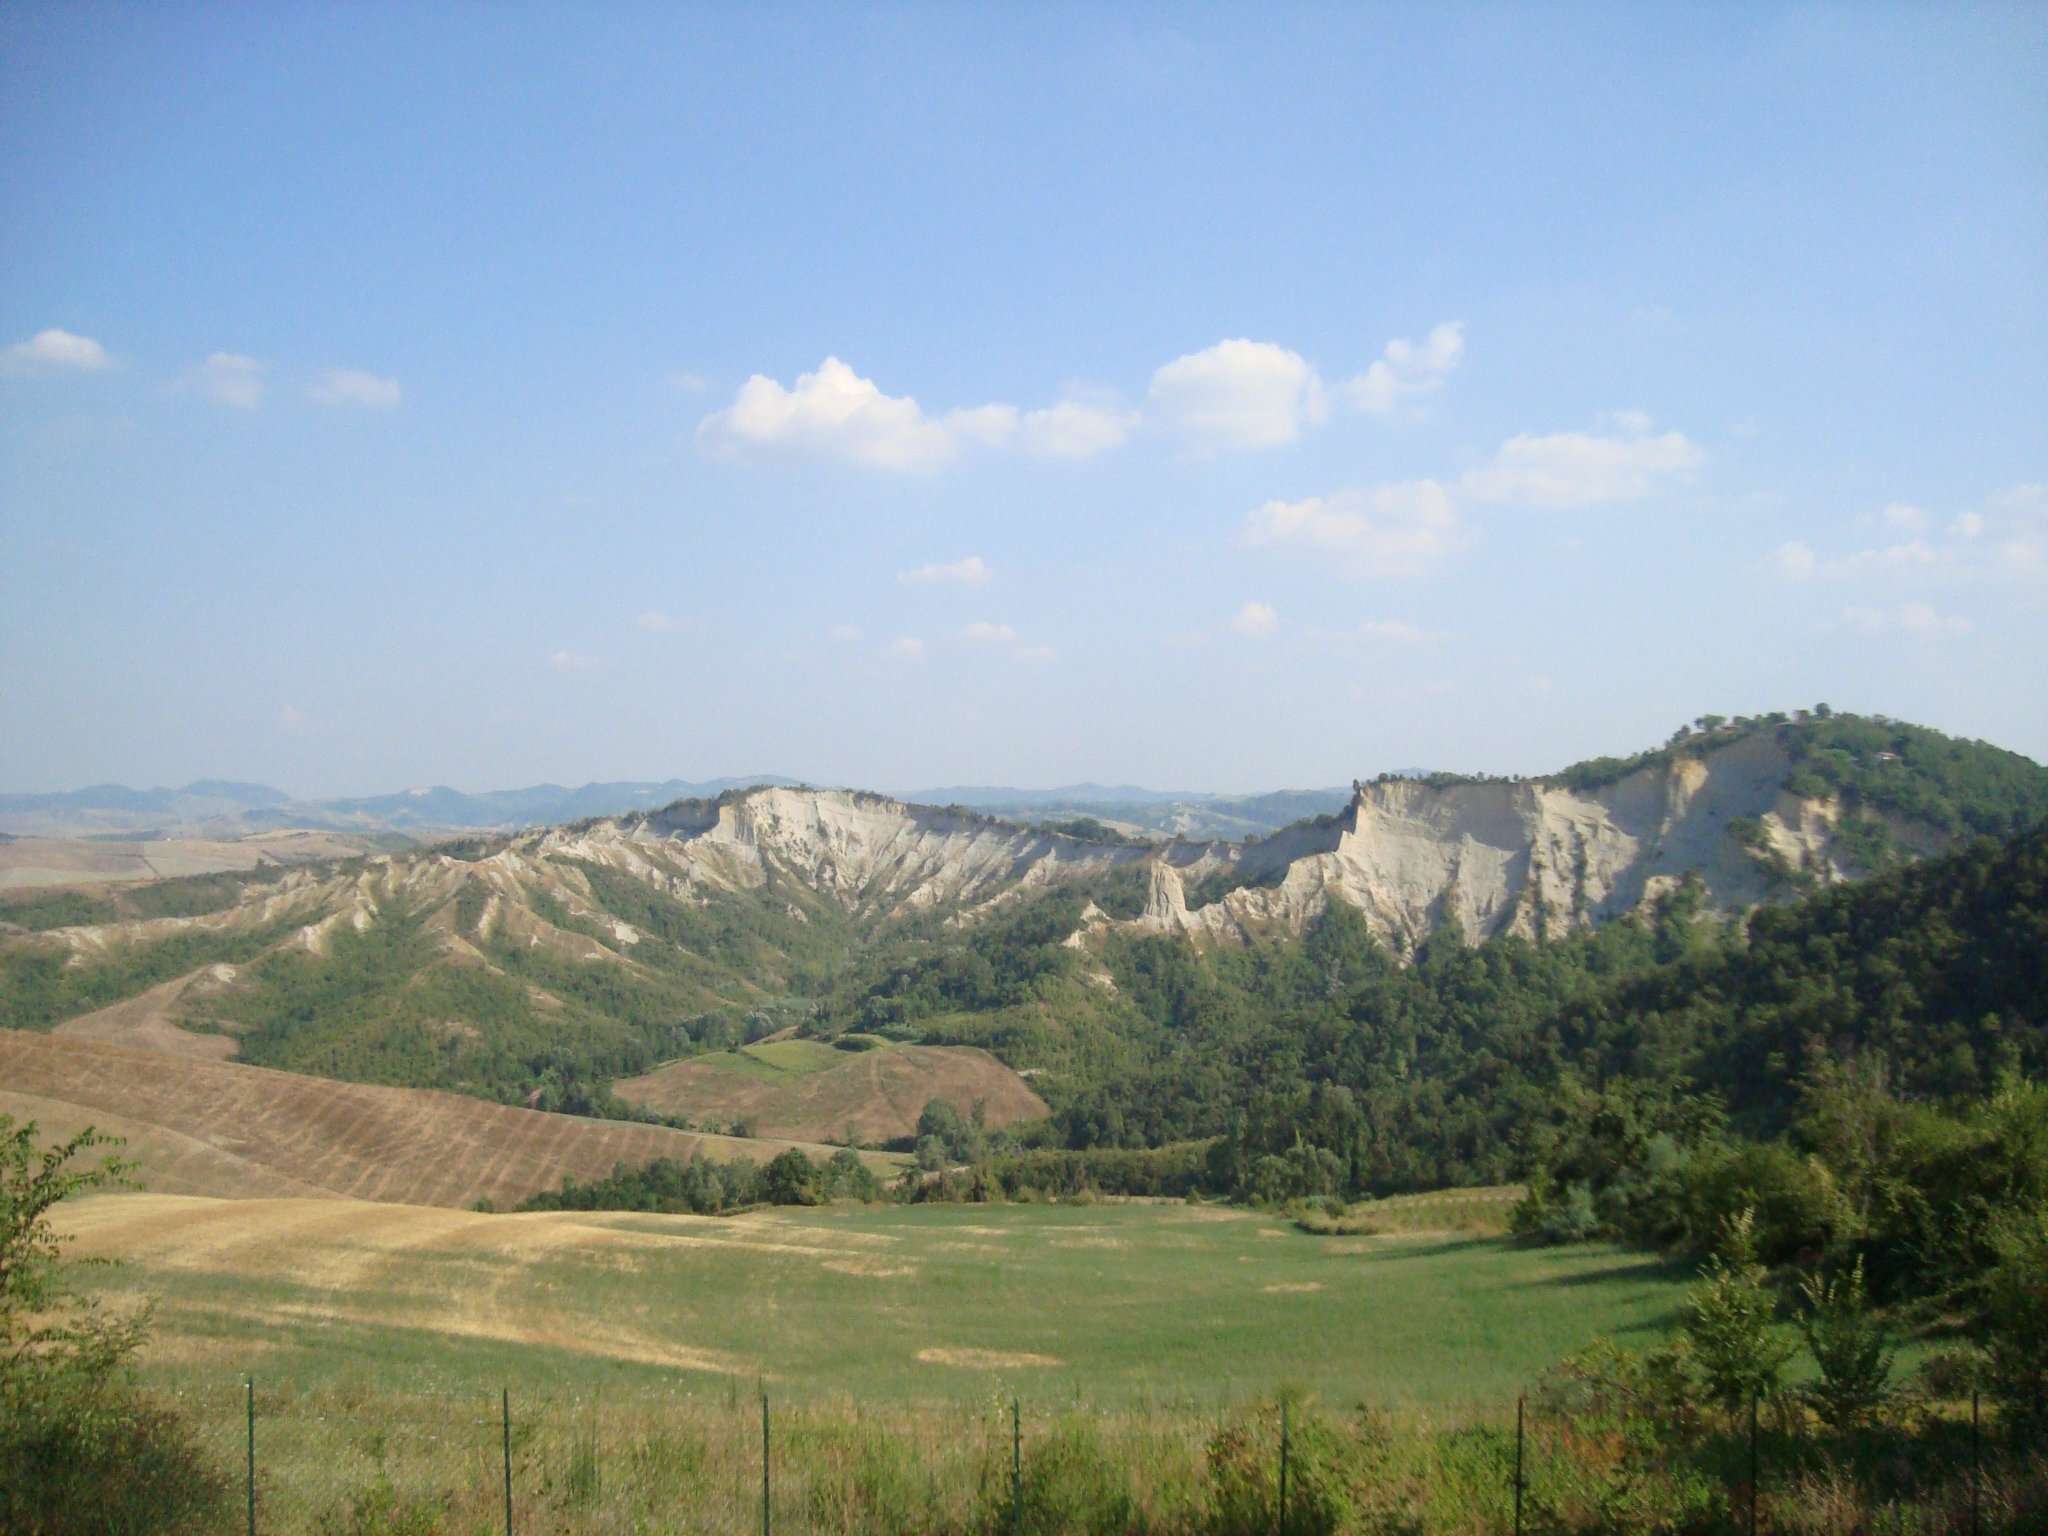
(1399, 529)
(571, 661)
(907, 647)
(1795, 560)
(1393, 632)
(981, 632)
(1034, 653)
(291, 718)
(229, 378)
(1075, 429)
(1903, 514)
(1967, 525)
(843, 634)
(834, 412)
(1916, 619)
(1407, 369)
(56, 351)
(1255, 619)
(831, 411)
(1238, 394)
(655, 622)
(1584, 469)
(971, 572)
(352, 386)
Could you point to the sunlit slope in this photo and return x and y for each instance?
(219, 1128)
(1108, 1303)
(812, 1092)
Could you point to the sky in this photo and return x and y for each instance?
(1213, 397)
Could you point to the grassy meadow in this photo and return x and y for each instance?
(891, 1341)
(1114, 1305)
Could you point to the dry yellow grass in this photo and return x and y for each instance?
(219, 1128)
(877, 1095)
(149, 1020)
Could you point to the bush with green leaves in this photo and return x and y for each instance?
(1337, 1475)
(1852, 1347)
(1729, 1321)
(80, 1449)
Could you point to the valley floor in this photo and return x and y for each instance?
(1114, 1304)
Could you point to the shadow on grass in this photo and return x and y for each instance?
(1429, 1250)
(1645, 1270)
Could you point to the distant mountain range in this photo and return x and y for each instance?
(224, 808)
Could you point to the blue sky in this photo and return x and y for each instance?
(1205, 397)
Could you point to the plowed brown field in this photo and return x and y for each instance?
(217, 1128)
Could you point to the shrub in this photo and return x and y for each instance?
(1728, 1321)
(1851, 1347)
(1335, 1475)
(1069, 1482)
(80, 1450)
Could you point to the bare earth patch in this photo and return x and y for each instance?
(985, 1359)
(1292, 1287)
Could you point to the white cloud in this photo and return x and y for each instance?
(53, 350)
(1034, 653)
(352, 386)
(832, 411)
(908, 647)
(1394, 632)
(835, 413)
(843, 634)
(1399, 529)
(1584, 469)
(685, 382)
(1968, 525)
(1408, 368)
(1917, 619)
(655, 622)
(2030, 496)
(1795, 560)
(1894, 557)
(229, 378)
(1074, 429)
(971, 572)
(1238, 394)
(981, 632)
(571, 661)
(1255, 619)
(291, 718)
(1903, 514)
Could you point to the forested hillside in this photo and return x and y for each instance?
(1322, 995)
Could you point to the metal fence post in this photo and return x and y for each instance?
(1752, 1463)
(1520, 1402)
(1976, 1467)
(1282, 1527)
(505, 1419)
(249, 1384)
(764, 1462)
(1016, 1467)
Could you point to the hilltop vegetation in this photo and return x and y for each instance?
(542, 968)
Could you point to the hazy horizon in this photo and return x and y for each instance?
(901, 397)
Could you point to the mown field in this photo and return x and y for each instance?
(809, 1091)
(1112, 1304)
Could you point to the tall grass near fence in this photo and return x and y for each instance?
(356, 1462)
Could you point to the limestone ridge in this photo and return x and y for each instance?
(1528, 856)
(1532, 857)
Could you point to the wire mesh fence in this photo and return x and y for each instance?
(739, 1461)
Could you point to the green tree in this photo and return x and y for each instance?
(1850, 1345)
(1728, 1321)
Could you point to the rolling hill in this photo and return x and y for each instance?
(545, 966)
(217, 1128)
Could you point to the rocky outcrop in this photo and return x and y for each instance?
(1528, 857)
